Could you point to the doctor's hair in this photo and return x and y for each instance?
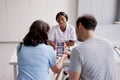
(37, 33)
(88, 21)
(62, 14)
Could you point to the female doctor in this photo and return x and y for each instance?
(62, 32)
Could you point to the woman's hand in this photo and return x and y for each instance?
(53, 44)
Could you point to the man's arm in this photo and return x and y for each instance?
(75, 65)
(74, 75)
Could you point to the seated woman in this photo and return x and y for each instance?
(34, 56)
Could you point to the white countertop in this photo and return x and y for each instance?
(13, 60)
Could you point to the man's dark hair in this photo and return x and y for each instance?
(88, 21)
(37, 33)
(62, 14)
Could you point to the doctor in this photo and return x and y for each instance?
(62, 32)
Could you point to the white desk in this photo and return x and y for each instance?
(13, 61)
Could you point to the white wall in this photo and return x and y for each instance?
(16, 16)
(103, 10)
(110, 32)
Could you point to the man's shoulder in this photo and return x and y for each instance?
(78, 48)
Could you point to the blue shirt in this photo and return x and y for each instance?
(34, 62)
